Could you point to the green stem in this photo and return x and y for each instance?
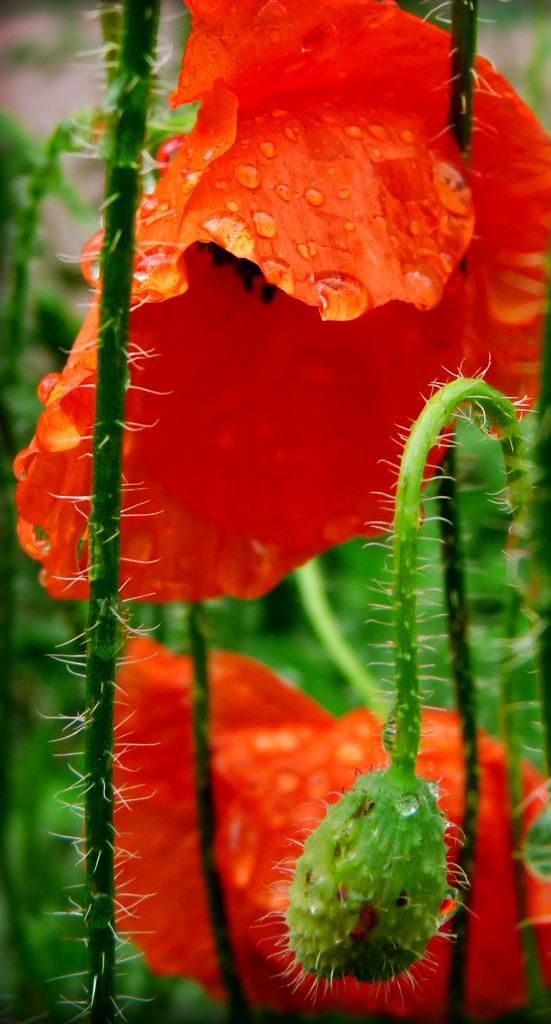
(509, 697)
(237, 1004)
(488, 405)
(41, 181)
(111, 28)
(124, 141)
(541, 518)
(310, 584)
(463, 53)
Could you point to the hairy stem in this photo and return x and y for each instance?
(124, 141)
(541, 518)
(310, 584)
(237, 1005)
(41, 181)
(488, 406)
(463, 53)
(510, 696)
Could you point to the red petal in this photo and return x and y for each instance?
(232, 486)
(270, 781)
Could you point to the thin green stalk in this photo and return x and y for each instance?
(124, 141)
(488, 405)
(463, 54)
(42, 179)
(111, 28)
(237, 1005)
(314, 600)
(541, 518)
(509, 697)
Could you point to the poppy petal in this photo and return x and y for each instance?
(244, 482)
(271, 777)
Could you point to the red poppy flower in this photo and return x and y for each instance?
(277, 756)
(321, 170)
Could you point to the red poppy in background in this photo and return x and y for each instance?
(320, 179)
(277, 755)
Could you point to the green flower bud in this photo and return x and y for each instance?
(370, 886)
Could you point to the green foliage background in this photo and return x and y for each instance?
(275, 629)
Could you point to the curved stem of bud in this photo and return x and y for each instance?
(490, 409)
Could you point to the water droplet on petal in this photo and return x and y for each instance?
(232, 234)
(424, 286)
(452, 189)
(353, 131)
(279, 273)
(415, 227)
(407, 804)
(264, 223)
(407, 135)
(322, 41)
(342, 297)
(291, 133)
(340, 529)
(46, 385)
(349, 225)
(232, 205)
(247, 175)
(267, 148)
(222, 184)
(378, 131)
(344, 193)
(284, 192)
(314, 196)
(302, 250)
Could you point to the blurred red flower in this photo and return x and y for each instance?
(277, 756)
(321, 169)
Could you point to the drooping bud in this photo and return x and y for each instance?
(370, 888)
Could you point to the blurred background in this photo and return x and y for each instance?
(51, 68)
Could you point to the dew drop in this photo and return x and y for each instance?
(448, 907)
(415, 227)
(407, 135)
(342, 297)
(291, 133)
(231, 233)
(537, 846)
(148, 207)
(344, 193)
(452, 189)
(314, 196)
(284, 192)
(349, 225)
(388, 735)
(232, 205)
(247, 175)
(267, 148)
(264, 223)
(353, 131)
(424, 286)
(221, 184)
(407, 804)
(322, 41)
(46, 385)
(340, 529)
(378, 131)
(281, 274)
